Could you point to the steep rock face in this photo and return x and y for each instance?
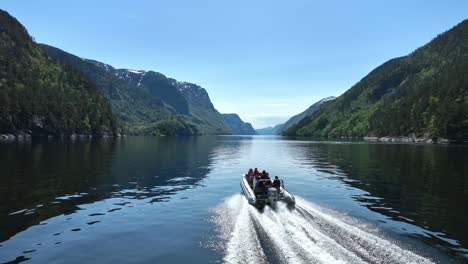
(424, 94)
(237, 126)
(202, 111)
(42, 97)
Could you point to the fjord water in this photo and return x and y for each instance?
(177, 200)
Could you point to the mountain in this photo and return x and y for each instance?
(295, 119)
(39, 96)
(158, 85)
(278, 129)
(144, 99)
(423, 94)
(134, 107)
(237, 126)
(202, 111)
(270, 130)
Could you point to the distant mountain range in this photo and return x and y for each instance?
(278, 129)
(237, 126)
(422, 95)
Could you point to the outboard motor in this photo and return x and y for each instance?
(272, 196)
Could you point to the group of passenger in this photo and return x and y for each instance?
(263, 179)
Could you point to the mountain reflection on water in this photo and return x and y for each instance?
(44, 179)
(423, 185)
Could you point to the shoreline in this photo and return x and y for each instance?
(26, 136)
(401, 139)
(386, 139)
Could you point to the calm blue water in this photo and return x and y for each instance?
(177, 200)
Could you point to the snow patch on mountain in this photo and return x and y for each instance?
(193, 89)
(327, 99)
(136, 71)
(141, 78)
(101, 65)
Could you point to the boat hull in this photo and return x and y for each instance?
(248, 192)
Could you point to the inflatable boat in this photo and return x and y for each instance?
(260, 192)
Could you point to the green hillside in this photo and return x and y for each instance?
(295, 119)
(424, 94)
(41, 97)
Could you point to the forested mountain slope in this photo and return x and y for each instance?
(39, 96)
(424, 94)
(295, 119)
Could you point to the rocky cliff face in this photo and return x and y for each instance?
(201, 109)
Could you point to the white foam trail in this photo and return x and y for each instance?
(272, 229)
(366, 245)
(307, 234)
(306, 241)
(236, 230)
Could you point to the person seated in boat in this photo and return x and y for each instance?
(258, 175)
(276, 182)
(264, 175)
(249, 176)
(260, 188)
(256, 172)
(268, 181)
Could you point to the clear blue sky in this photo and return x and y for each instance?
(263, 59)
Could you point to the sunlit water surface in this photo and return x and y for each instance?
(168, 200)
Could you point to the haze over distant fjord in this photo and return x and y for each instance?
(276, 58)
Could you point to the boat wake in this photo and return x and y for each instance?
(305, 234)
